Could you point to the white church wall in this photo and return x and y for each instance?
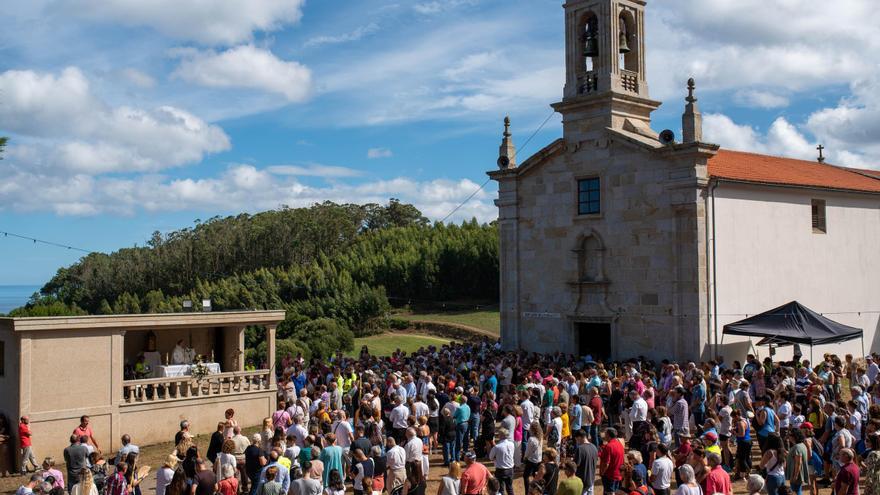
(768, 255)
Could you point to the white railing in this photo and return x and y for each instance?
(185, 387)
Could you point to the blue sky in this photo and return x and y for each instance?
(127, 117)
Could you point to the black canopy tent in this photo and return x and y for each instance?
(794, 323)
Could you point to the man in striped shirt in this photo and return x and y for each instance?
(679, 414)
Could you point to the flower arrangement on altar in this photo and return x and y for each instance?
(199, 369)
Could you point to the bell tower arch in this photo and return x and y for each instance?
(605, 63)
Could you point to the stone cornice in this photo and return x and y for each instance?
(144, 321)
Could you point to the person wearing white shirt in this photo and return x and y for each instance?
(398, 418)
(420, 408)
(298, 431)
(639, 410)
(413, 446)
(661, 471)
(873, 370)
(502, 455)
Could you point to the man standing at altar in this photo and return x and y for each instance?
(180, 354)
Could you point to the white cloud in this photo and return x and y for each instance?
(239, 188)
(439, 6)
(210, 22)
(446, 73)
(851, 129)
(355, 35)
(138, 78)
(738, 45)
(756, 98)
(374, 153)
(62, 125)
(246, 66)
(314, 170)
(781, 139)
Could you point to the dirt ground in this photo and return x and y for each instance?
(154, 455)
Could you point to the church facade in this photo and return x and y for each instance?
(618, 241)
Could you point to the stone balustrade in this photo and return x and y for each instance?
(186, 387)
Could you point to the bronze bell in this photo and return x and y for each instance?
(591, 47)
(624, 45)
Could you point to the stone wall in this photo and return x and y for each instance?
(649, 238)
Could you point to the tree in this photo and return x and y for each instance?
(3, 141)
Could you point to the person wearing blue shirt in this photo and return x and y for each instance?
(766, 419)
(698, 400)
(461, 416)
(491, 383)
(282, 477)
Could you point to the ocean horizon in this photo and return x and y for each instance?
(14, 296)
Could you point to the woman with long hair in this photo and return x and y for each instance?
(449, 483)
(135, 475)
(166, 474)
(532, 458)
(773, 462)
(86, 485)
(178, 485)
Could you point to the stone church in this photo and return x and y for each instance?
(618, 241)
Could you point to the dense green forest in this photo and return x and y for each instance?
(336, 269)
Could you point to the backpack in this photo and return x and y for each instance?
(553, 436)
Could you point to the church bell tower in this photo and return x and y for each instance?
(606, 82)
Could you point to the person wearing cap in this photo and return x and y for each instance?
(474, 477)
(710, 442)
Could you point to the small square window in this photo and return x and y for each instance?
(588, 196)
(818, 214)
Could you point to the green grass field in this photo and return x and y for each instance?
(488, 320)
(385, 344)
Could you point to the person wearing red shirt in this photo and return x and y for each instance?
(611, 458)
(474, 477)
(84, 430)
(717, 481)
(596, 407)
(847, 480)
(24, 441)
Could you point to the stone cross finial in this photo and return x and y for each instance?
(692, 120)
(821, 158)
(691, 86)
(507, 152)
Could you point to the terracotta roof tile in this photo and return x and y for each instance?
(863, 171)
(764, 169)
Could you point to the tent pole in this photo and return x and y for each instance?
(863, 345)
(812, 363)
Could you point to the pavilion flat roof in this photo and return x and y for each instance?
(151, 321)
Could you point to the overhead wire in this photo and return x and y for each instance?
(526, 143)
(43, 241)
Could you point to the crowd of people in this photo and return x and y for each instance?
(557, 424)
